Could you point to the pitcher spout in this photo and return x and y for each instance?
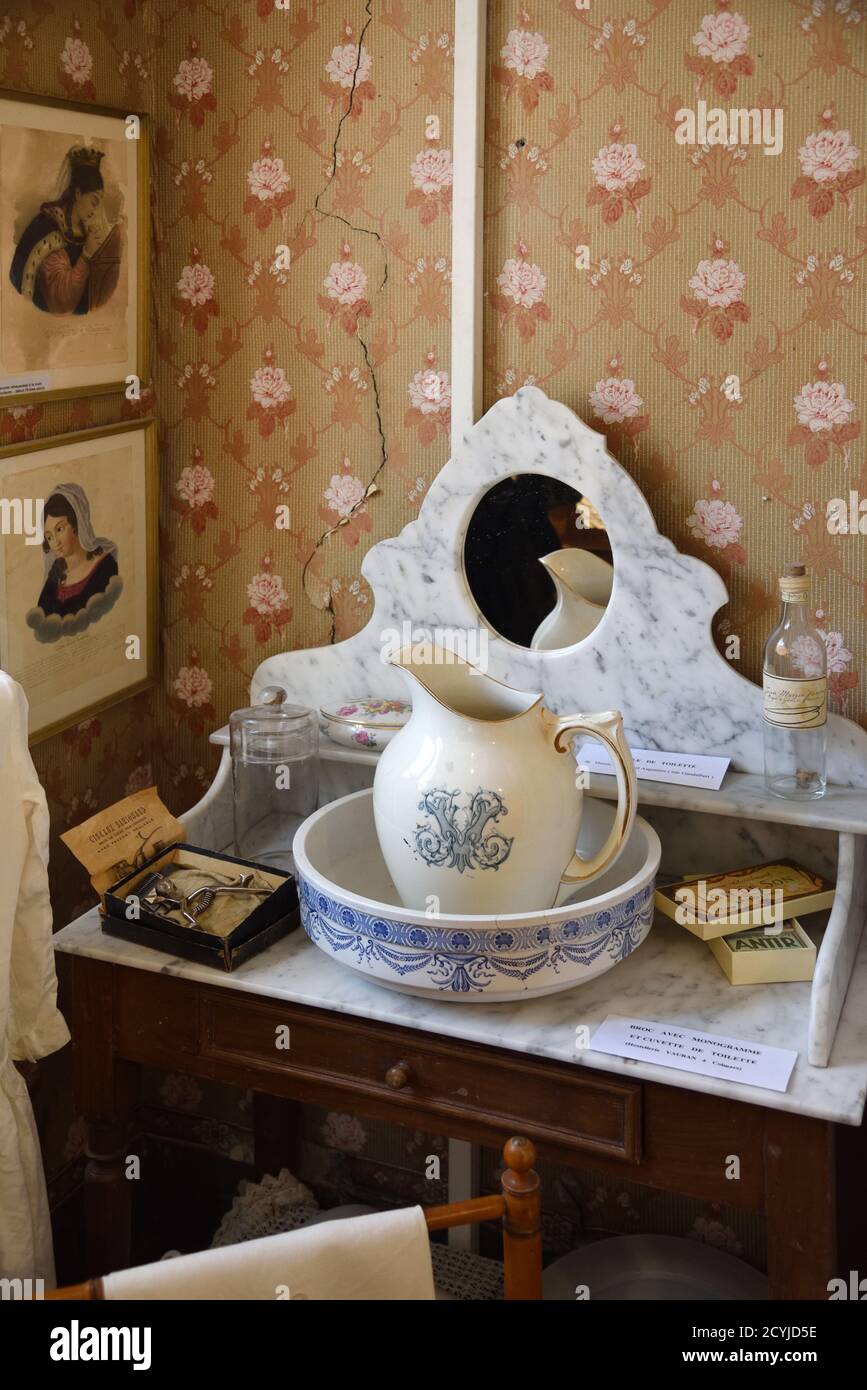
(459, 686)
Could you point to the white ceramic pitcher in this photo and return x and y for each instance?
(476, 800)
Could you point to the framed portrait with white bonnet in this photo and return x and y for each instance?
(78, 574)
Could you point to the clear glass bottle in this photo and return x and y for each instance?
(795, 685)
(275, 774)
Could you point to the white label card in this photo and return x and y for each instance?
(684, 769)
(706, 1054)
(30, 386)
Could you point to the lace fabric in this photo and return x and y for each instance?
(277, 1203)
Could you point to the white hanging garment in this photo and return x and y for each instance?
(31, 1025)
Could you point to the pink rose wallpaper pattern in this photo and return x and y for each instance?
(701, 305)
(301, 302)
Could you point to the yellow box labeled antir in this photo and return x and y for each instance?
(760, 957)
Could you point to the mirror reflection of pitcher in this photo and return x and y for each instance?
(583, 582)
(523, 561)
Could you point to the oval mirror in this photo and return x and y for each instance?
(538, 562)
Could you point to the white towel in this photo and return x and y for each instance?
(383, 1256)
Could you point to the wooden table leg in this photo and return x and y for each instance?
(276, 1133)
(801, 1205)
(106, 1092)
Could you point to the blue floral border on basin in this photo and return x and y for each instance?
(463, 961)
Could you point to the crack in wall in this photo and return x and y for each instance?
(363, 343)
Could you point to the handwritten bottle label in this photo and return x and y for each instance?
(795, 704)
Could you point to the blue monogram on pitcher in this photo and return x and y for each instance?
(462, 838)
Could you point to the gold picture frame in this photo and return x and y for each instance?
(69, 643)
(46, 126)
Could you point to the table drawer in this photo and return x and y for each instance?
(484, 1093)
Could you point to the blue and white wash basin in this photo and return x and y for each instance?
(351, 910)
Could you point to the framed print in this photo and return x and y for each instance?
(73, 248)
(78, 570)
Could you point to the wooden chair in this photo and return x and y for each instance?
(517, 1207)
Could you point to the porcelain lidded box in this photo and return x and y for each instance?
(368, 722)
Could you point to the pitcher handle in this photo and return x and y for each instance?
(608, 729)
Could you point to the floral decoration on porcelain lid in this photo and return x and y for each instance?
(370, 710)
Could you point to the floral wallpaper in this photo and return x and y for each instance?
(300, 285)
(303, 238)
(696, 302)
(700, 304)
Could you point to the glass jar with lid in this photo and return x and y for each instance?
(275, 776)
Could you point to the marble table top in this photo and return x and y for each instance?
(671, 977)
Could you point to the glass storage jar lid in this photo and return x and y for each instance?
(273, 731)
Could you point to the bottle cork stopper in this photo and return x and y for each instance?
(794, 571)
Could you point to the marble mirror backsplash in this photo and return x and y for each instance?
(651, 655)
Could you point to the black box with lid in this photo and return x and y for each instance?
(269, 920)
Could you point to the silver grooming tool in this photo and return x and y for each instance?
(200, 899)
(162, 896)
(158, 894)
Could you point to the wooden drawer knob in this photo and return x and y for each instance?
(398, 1076)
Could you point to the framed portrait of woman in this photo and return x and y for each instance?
(74, 248)
(78, 571)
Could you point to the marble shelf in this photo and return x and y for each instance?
(741, 794)
(671, 976)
